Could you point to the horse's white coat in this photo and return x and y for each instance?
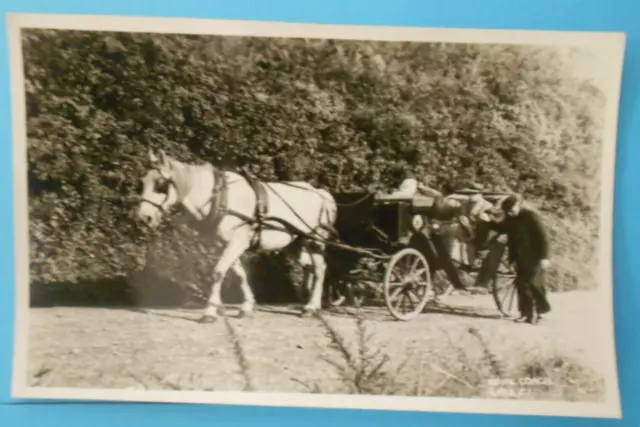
(300, 204)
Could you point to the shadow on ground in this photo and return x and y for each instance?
(126, 292)
(139, 294)
(271, 282)
(475, 313)
(110, 292)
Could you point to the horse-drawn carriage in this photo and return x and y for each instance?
(398, 249)
(392, 246)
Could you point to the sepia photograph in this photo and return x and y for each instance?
(280, 214)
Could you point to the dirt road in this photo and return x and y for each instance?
(123, 348)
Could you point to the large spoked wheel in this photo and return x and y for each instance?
(505, 295)
(407, 284)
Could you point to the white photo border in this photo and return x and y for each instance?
(607, 43)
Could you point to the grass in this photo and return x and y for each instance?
(240, 355)
(350, 359)
(536, 376)
(363, 367)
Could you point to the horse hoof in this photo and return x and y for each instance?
(207, 319)
(245, 314)
(308, 312)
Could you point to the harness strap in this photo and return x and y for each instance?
(262, 204)
(220, 199)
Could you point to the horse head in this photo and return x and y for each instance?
(159, 192)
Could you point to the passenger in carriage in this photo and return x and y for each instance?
(410, 186)
(473, 207)
(466, 209)
(472, 229)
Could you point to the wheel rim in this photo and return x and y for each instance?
(505, 295)
(407, 284)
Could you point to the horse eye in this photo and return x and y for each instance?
(162, 186)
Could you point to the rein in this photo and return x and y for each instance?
(219, 208)
(219, 205)
(220, 194)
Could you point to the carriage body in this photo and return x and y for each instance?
(387, 231)
(382, 223)
(383, 229)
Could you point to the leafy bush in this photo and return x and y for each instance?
(508, 116)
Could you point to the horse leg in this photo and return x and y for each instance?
(236, 247)
(319, 271)
(249, 300)
(306, 263)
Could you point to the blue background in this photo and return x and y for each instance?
(590, 15)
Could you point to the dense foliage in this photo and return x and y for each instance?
(510, 117)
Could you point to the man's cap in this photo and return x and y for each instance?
(508, 203)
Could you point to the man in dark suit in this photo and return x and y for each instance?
(528, 247)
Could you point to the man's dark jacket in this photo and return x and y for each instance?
(528, 242)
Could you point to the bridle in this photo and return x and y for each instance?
(168, 183)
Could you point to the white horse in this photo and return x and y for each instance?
(243, 215)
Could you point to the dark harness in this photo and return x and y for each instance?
(220, 203)
(220, 207)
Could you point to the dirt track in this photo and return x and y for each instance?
(124, 348)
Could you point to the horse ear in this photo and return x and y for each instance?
(164, 159)
(153, 157)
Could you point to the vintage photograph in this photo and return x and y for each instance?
(314, 215)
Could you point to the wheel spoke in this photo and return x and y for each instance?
(505, 295)
(513, 294)
(421, 285)
(413, 304)
(404, 265)
(414, 265)
(400, 303)
(405, 300)
(417, 297)
(396, 277)
(395, 293)
(415, 276)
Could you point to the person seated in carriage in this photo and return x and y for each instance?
(468, 208)
(410, 186)
(472, 205)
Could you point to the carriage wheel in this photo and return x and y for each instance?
(407, 284)
(505, 295)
